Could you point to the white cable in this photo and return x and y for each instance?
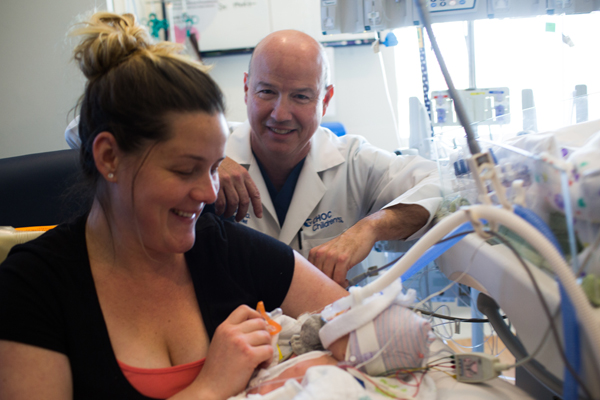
(387, 93)
(432, 295)
(590, 324)
(169, 17)
(585, 312)
(134, 8)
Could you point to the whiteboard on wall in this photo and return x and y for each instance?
(241, 24)
(238, 24)
(223, 25)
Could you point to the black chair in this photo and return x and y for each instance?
(34, 187)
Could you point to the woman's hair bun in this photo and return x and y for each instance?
(107, 40)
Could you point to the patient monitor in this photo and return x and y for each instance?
(358, 16)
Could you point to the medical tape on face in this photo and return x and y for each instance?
(366, 336)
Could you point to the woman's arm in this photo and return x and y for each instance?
(310, 291)
(242, 342)
(30, 372)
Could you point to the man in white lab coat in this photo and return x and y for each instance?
(329, 197)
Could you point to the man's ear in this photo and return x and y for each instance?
(246, 79)
(327, 98)
(106, 155)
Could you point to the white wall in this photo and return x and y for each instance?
(361, 102)
(228, 72)
(38, 84)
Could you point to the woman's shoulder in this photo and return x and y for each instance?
(210, 224)
(234, 237)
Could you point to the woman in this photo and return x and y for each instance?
(141, 298)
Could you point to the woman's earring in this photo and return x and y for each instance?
(111, 175)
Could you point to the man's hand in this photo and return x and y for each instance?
(337, 256)
(236, 192)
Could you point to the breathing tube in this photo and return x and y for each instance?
(438, 249)
(570, 326)
(516, 223)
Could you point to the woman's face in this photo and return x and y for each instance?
(174, 183)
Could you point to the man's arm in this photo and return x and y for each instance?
(237, 191)
(337, 256)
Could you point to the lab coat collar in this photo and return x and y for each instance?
(239, 150)
(323, 152)
(238, 145)
(309, 190)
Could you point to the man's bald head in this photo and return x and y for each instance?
(292, 43)
(286, 95)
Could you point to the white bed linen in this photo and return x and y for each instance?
(332, 383)
(449, 388)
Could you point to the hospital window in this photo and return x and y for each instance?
(552, 56)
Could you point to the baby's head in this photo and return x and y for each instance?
(403, 339)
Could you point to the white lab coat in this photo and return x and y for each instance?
(343, 180)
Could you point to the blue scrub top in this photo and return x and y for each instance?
(282, 199)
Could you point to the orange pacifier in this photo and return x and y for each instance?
(272, 327)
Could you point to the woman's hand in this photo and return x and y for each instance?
(239, 345)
